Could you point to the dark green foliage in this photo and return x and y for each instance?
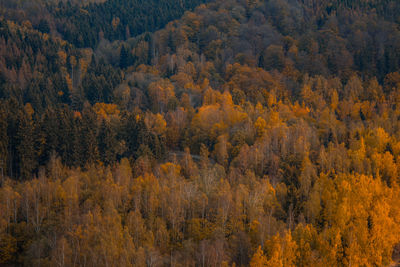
(123, 58)
(108, 143)
(3, 140)
(81, 26)
(79, 139)
(99, 82)
(30, 67)
(25, 157)
(139, 140)
(43, 26)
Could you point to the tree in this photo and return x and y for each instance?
(282, 250)
(44, 26)
(124, 58)
(108, 143)
(260, 126)
(8, 248)
(160, 93)
(25, 140)
(273, 58)
(221, 150)
(3, 143)
(258, 259)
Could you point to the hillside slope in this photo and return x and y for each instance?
(244, 133)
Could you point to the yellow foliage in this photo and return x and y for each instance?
(258, 259)
(106, 111)
(115, 22)
(77, 115)
(69, 81)
(170, 169)
(362, 209)
(282, 251)
(8, 247)
(29, 110)
(260, 126)
(160, 93)
(155, 123)
(63, 57)
(300, 111)
(147, 69)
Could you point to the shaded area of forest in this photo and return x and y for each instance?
(86, 23)
(261, 133)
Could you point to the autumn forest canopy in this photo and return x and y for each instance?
(199, 133)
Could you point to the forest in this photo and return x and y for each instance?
(200, 133)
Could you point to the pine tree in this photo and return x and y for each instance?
(25, 139)
(108, 143)
(123, 58)
(3, 141)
